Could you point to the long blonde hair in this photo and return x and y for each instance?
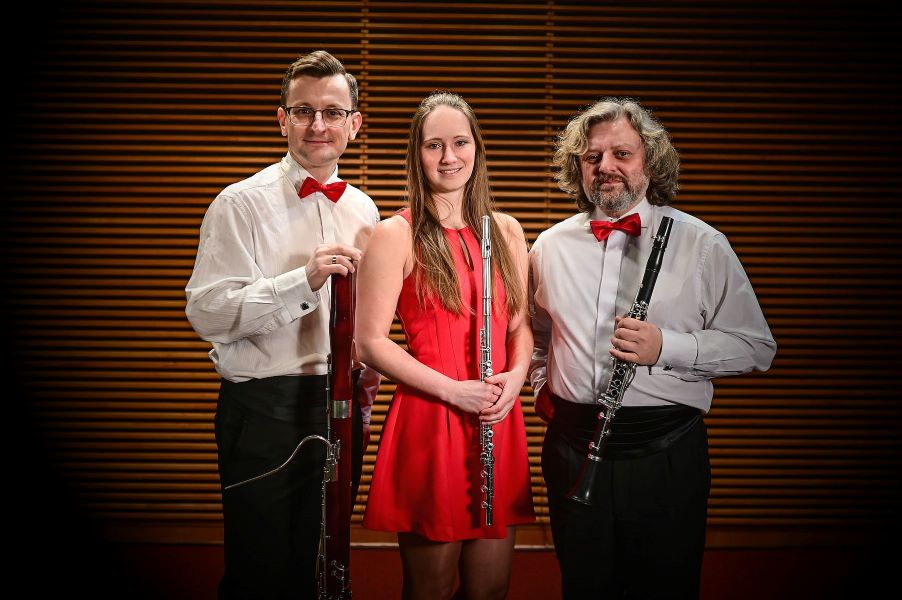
(433, 264)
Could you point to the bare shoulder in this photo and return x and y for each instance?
(509, 225)
(392, 230)
(390, 247)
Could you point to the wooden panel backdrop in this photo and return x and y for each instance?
(137, 113)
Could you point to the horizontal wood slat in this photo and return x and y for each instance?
(137, 114)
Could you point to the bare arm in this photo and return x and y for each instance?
(379, 281)
(541, 331)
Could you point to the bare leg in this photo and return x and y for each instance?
(485, 568)
(430, 568)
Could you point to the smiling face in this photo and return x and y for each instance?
(317, 147)
(448, 151)
(613, 167)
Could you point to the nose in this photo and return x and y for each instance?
(448, 154)
(606, 164)
(318, 124)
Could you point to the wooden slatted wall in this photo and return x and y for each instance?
(785, 117)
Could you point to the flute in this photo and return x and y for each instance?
(622, 375)
(487, 458)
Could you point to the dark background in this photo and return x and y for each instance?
(60, 550)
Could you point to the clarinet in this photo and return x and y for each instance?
(622, 375)
(333, 574)
(486, 457)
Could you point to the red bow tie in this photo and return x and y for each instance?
(629, 224)
(332, 191)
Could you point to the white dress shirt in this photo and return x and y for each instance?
(703, 303)
(248, 294)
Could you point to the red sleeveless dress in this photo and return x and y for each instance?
(427, 476)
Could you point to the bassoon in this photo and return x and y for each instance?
(334, 574)
(333, 561)
(622, 375)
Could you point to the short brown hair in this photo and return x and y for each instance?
(662, 163)
(318, 64)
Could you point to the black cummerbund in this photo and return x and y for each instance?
(636, 431)
(291, 398)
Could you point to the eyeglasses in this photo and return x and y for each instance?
(304, 115)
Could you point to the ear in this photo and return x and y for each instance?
(356, 121)
(282, 117)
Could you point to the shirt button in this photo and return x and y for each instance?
(304, 306)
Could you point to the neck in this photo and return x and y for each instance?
(450, 209)
(616, 214)
(320, 173)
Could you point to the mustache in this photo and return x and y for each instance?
(601, 180)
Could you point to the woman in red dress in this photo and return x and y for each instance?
(425, 265)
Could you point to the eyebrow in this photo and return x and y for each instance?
(456, 137)
(308, 105)
(614, 148)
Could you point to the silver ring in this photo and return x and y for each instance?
(334, 259)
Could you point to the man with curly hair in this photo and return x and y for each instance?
(644, 534)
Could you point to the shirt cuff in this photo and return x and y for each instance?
(537, 384)
(293, 289)
(678, 350)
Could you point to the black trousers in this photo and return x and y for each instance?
(272, 526)
(644, 536)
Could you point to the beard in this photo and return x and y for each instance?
(614, 202)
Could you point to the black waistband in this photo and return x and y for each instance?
(285, 397)
(635, 431)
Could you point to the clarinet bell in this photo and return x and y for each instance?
(582, 490)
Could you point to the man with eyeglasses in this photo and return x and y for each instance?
(259, 294)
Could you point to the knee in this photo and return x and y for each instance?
(495, 591)
(434, 585)
(487, 588)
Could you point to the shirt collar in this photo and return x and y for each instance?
(643, 209)
(296, 174)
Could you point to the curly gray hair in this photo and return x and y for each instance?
(662, 162)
